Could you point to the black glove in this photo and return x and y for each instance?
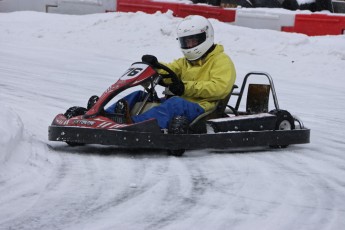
(162, 83)
(177, 88)
(150, 59)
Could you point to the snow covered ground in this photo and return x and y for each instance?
(51, 62)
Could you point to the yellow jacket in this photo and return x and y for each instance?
(206, 80)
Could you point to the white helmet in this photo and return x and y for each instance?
(195, 34)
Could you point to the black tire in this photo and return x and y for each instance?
(74, 144)
(285, 121)
(242, 3)
(178, 125)
(266, 3)
(214, 2)
(92, 101)
(75, 111)
(290, 5)
(176, 153)
(199, 1)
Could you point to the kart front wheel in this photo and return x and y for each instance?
(74, 144)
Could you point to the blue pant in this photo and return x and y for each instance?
(172, 107)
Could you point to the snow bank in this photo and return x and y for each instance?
(11, 132)
(20, 152)
(25, 166)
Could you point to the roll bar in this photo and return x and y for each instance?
(244, 85)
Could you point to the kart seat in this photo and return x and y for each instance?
(217, 112)
(257, 98)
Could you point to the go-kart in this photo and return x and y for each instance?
(224, 127)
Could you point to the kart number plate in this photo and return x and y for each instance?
(134, 71)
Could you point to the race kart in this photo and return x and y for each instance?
(224, 127)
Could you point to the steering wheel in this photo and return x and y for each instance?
(171, 74)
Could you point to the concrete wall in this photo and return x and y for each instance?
(59, 6)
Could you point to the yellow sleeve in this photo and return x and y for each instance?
(217, 86)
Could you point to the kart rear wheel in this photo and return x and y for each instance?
(176, 153)
(285, 121)
(178, 125)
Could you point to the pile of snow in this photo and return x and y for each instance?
(24, 166)
(11, 133)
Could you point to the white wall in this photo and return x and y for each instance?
(59, 6)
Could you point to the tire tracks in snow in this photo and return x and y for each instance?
(294, 191)
(188, 195)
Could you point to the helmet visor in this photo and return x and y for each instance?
(192, 41)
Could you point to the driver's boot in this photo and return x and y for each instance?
(179, 125)
(122, 114)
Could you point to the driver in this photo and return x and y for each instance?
(205, 75)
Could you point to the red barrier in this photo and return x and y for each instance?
(224, 15)
(317, 24)
(179, 9)
(146, 6)
(310, 24)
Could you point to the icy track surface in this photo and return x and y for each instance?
(51, 62)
